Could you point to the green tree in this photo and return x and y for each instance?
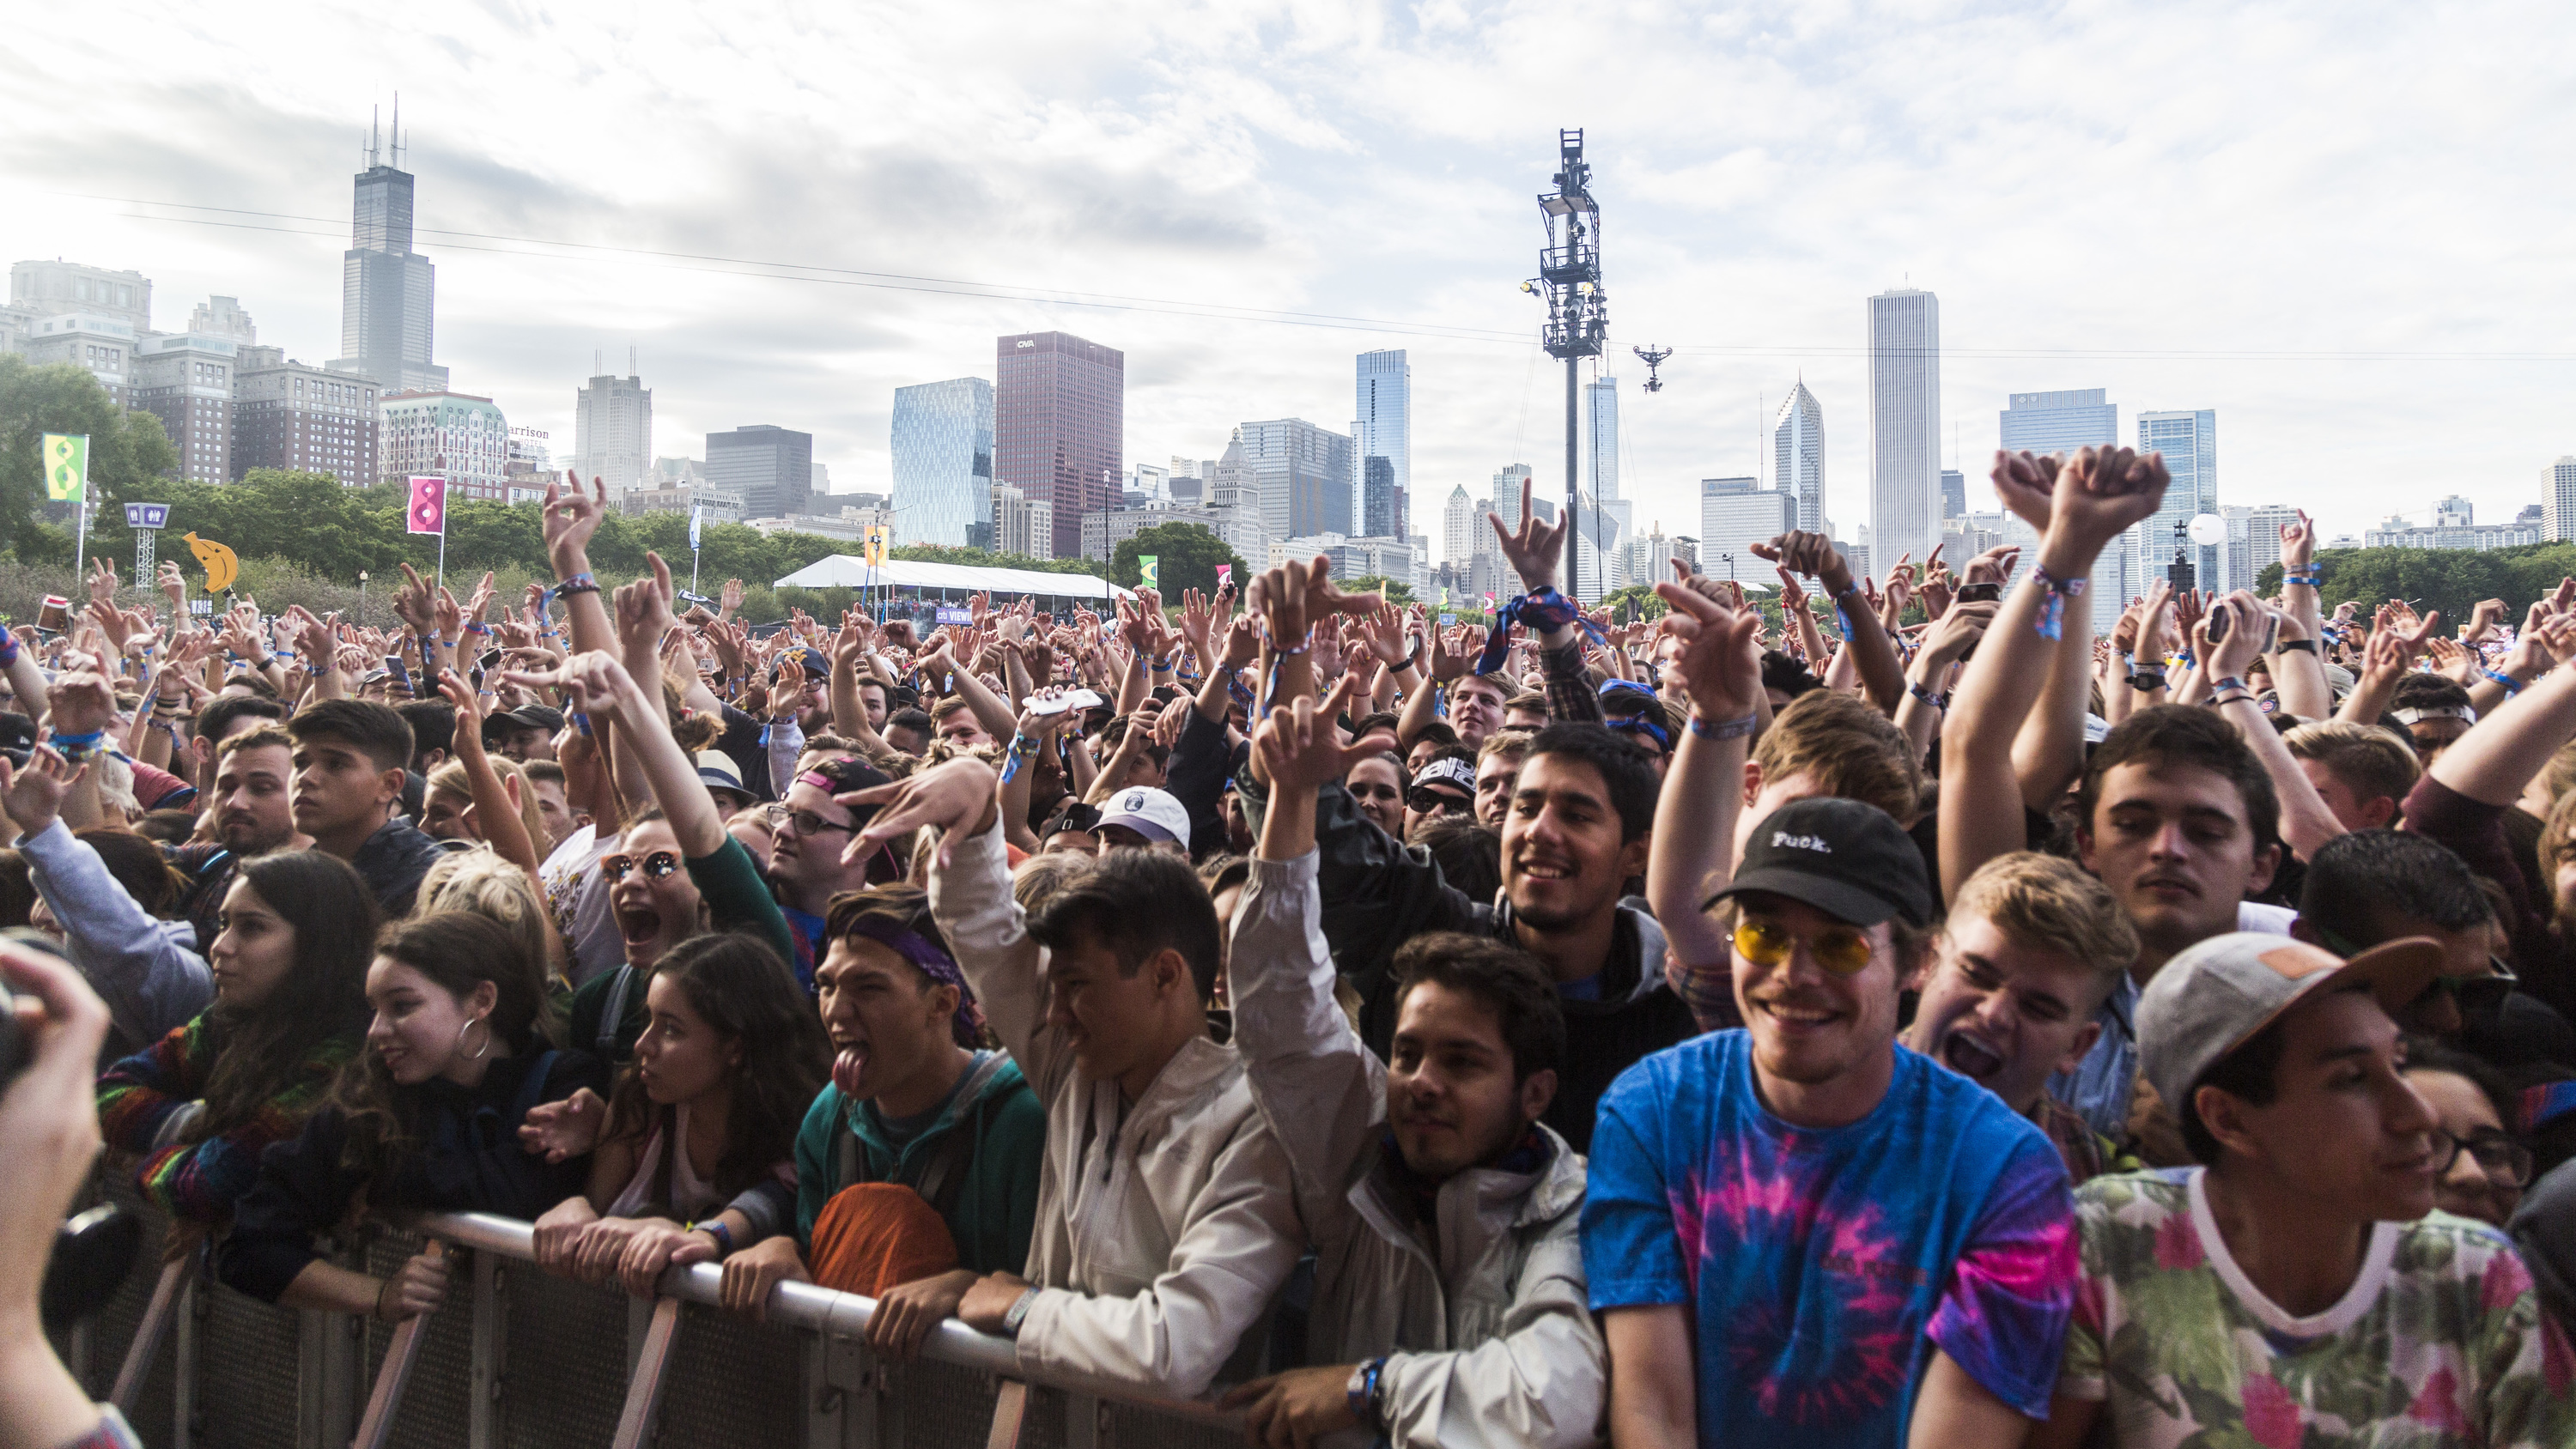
(1639, 601)
(1188, 555)
(125, 448)
(1396, 592)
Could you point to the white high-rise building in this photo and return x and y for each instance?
(2061, 422)
(1457, 545)
(613, 432)
(1735, 514)
(1507, 491)
(1798, 461)
(1904, 425)
(941, 442)
(1601, 437)
(2558, 514)
(2189, 442)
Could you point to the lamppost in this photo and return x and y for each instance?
(362, 598)
(1578, 312)
(1728, 559)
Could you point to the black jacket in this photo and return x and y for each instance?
(392, 862)
(466, 1158)
(1377, 895)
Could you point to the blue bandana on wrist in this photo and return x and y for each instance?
(1542, 610)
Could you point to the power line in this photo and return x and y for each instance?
(719, 265)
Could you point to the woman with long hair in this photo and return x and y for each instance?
(731, 1057)
(426, 1118)
(290, 969)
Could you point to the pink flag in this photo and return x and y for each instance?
(428, 512)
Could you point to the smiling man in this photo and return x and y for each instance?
(250, 795)
(2297, 1287)
(2031, 949)
(1798, 1234)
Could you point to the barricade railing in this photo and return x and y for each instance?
(522, 1358)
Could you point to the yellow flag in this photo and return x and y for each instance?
(66, 466)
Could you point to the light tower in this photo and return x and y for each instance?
(1578, 312)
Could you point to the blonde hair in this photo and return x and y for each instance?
(2372, 760)
(2048, 903)
(1853, 750)
(452, 779)
(479, 880)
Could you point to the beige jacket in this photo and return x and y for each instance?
(1163, 1231)
(1492, 1343)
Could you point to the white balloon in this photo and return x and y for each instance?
(2209, 530)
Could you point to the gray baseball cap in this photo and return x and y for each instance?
(2213, 997)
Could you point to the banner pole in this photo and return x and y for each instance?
(442, 545)
(80, 536)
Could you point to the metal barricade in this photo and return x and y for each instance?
(519, 1359)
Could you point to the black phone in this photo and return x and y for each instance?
(1978, 593)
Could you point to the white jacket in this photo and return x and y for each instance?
(1161, 1238)
(1494, 1342)
(145, 968)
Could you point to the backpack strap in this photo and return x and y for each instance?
(532, 1087)
(613, 1011)
(943, 1178)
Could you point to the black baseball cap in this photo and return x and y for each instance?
(1845, 858)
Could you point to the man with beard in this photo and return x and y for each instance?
(1449, 1301)
(2031, 949)
(1579, 827)
(254, 771)
(1797, 1234)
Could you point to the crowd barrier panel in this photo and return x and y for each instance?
(521, 1359)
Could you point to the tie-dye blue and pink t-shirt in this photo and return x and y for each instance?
(1823, 1267)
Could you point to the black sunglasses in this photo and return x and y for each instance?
(1439, 802)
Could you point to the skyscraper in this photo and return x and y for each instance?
(2061, 422)
(1507, 491)
(2558, 514)
(770, 468)
(1383, 428)
(613, 432)
(1601, 437)
(1735, 514)
(943, 466)
(1303, 473)
(1954, 494)
(2189, 441)
(1457, 545)
(388, 292)
(1904, 425)
(1060, 425)
(1798, 448)
(1379, 515)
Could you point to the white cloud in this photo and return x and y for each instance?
(2164, 201)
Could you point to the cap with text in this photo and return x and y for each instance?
(1845, 858)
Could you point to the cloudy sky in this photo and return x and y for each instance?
(2344, 227)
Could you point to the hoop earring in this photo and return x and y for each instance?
(475, 1055)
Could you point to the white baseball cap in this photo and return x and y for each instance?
(1152, 813)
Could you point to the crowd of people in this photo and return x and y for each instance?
(1912, 1022)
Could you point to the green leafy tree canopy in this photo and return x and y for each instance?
(1188, 556)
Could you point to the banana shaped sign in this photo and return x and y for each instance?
(221, 567)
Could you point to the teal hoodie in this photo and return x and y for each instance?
(996, 1211)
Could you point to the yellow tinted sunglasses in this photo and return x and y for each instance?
(1842, 950)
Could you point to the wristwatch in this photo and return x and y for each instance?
(1018, 1315)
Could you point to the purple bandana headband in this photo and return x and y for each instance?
(968, 1024)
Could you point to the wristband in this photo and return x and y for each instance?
(76, 747)
(2286, 646)
(715, 1228)
(2223, 702)
(2221, 686)
(2052, 609)
(1019, 1314)
(1362, 1395)
(2512, 686)
(1937, 701)
(580, 583)
(1733, 729)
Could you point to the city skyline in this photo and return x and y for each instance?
(1120, 156)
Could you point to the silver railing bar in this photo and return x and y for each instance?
(644, 1388)
(168, 1296)
(377, 1428)
(846, 1315)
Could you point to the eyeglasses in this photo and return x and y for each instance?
(2498, 1156)
(1842, 950)
(2476, 995)
(658, 865)
(806, 822)
(1439, 802)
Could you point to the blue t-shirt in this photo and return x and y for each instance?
(1825, 1266)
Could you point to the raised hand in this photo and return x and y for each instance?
(1793, 595)
(1535, 548)
(1715, 649)
(2190, 607)
(412, 603)
(1995, 565)
(102, 581)
(35, 792)
(2299, 542)
(2025, 482)
(2482, 622)
(2101, 492)
(953, 798)
(1300, 744)
(644, 606)
(479, 606)
(1811, 554)
(449, 614)
(571, 517)
(1291, 597)
(561, 1131)
(173, 586)
(81, 699)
